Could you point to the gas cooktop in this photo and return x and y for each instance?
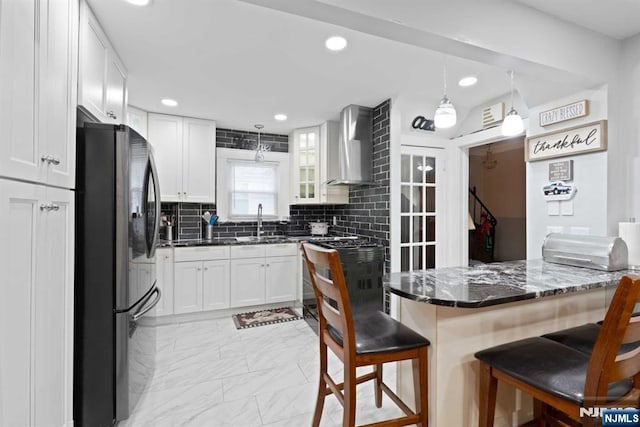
(352, 243)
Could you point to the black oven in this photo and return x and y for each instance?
(363, 267)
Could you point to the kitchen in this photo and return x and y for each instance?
(148, 53)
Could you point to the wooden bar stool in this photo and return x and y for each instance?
(563, 379)
(368, 339)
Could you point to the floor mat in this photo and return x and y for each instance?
(265, 317)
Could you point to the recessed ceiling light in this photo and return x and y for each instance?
(280, 117)
(139, 2)
(169, 102)
(336, 43)
(468, 81)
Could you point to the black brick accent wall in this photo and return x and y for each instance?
(232, 138)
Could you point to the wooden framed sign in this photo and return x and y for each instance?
(567, 142)
(566, 112)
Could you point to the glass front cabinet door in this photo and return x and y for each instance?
(305, 179)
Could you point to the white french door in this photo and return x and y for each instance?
(420, 202)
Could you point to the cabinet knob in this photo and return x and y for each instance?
(268, 265)
(50, 160)
(206, 269)
(111, 115)
(49, 207)
(198, 269)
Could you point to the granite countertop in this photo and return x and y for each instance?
(497, 283)
(225, 241)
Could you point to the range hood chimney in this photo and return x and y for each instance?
(355, 148)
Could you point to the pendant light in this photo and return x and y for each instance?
(445, 115)
(259, 154)
(512, 124)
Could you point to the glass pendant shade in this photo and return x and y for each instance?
(512, 124)
(445, 115)
(259, 154)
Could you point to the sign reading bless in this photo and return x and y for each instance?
(567, 142)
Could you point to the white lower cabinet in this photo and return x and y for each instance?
(263, 274)
(217, 277)
(201, 279)
(188, 287)
(247, 281)
(164, 277)
(36, 305)
(215, 285)
(281, 279)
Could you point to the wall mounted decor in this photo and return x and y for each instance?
(567, 142)
(566, 112)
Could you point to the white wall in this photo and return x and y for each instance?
(630, 118)
(590, 208)
(472, 122)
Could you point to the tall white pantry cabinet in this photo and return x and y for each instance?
(38, 84)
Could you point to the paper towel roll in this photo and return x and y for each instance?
(630, 233)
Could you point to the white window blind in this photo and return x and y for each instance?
(251, 184)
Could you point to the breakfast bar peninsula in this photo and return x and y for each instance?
(462, 310)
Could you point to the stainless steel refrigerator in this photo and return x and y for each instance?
(117, 222)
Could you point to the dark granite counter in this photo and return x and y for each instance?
(498, 283)
(226, 241)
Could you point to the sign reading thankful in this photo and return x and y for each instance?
(567, 142)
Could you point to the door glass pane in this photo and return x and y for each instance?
(404, 259)
(431, 199)
(311, 158)
(418, 224)
(417, 169)
(430, 169)
(404, 229)
(303, 141)
(303, 191)
(312, 191)
(311, 140)
(417, 258)
(431, 229)
(311, 174)
(417, 198)
(303, 174)
(405, 168)
(405, 194)
(431, 256)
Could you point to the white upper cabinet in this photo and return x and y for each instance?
(38, 63)
(185, 152)
(103, 78)
(137, 120)
(310, 164)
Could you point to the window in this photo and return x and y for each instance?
(242, 184)
(251, 184)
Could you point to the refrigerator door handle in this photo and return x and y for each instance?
(145, 308)
(156, 229)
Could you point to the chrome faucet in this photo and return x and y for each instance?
(259, 232)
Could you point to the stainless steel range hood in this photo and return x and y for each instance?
(354, 164)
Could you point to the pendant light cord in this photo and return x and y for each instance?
(512, 89)
(444, 76)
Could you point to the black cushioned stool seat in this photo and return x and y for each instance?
(583, 338)
(547, 365)
(377, 332)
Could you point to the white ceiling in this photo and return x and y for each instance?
(618, 19)
(240, 64)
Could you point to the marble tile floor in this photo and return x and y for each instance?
(210, 374)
